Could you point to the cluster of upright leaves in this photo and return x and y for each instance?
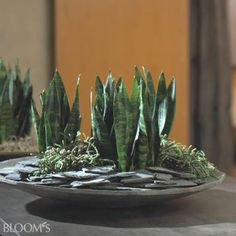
(15, 103)
(57, 123)
(127, 129)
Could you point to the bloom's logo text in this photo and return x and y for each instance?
(26, 227)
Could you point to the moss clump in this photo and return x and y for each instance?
(179, 157)
(79, 154)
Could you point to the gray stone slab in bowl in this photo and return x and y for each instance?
(123, 197)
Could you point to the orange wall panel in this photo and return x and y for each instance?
(93, 36)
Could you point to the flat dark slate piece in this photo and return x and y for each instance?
(80, 175)
(14, 176)
(121, 175)
(26, 169)
(34, 162)
(7, 170)
(163, 176)
(176, 184)
(35, 178)
(77, 184)
(138, 178)
(57, 176)
(103, 170)
(171, 172)
(50, 182)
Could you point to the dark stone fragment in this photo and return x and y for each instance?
(51, 182)
(103, 170)
(174, 184)
(163, 176)
(26, 169)
(138, 178)
(183, 175)
(78, 184)
(35, 178)
(14, 176)
(80, 175)
(33, 162)
(7, 170)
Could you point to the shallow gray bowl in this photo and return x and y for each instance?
(107, 198)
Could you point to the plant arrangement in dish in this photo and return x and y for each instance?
(15, 111)
(128, 148)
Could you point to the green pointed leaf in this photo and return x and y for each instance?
(3, 75)
(109, 97)
(123, 126)
(138, 76)
(143, 155)
(63, 100)
(134, 99)
(41, 126)
(110, 85)
(27, 83)
(118, 85)
(48, 132)
(100, 97)
(24, 115)
(74, 122)
(162, 114)
(35, 117)
(53, 112)
(171, 103)
(150, 90)
(161, 89)
(100, 132)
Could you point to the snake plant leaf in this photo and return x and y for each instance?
(27, 83)
(53, 111)
(7, 122)
(161, 89)
(11, 86)
(109, 97)
(162, 114)
(110, 85)
(74, 122)
(134, 106)
(143, 155)
(63, 100)
(134, 98)
(100, 132)
(138, 76)
(3, 74)
(35, 117)
(161, 103)
(123, 126)
(100, 96)
(24, 115)
(150, 90)
(48, 132)
(118, 85)
(171, 103)
(41, 127)
(155, 139)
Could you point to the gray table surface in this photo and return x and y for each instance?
(212, 212)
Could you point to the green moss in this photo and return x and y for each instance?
(79, 154)
(179, 157)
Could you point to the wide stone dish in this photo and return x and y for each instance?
(107, 198)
